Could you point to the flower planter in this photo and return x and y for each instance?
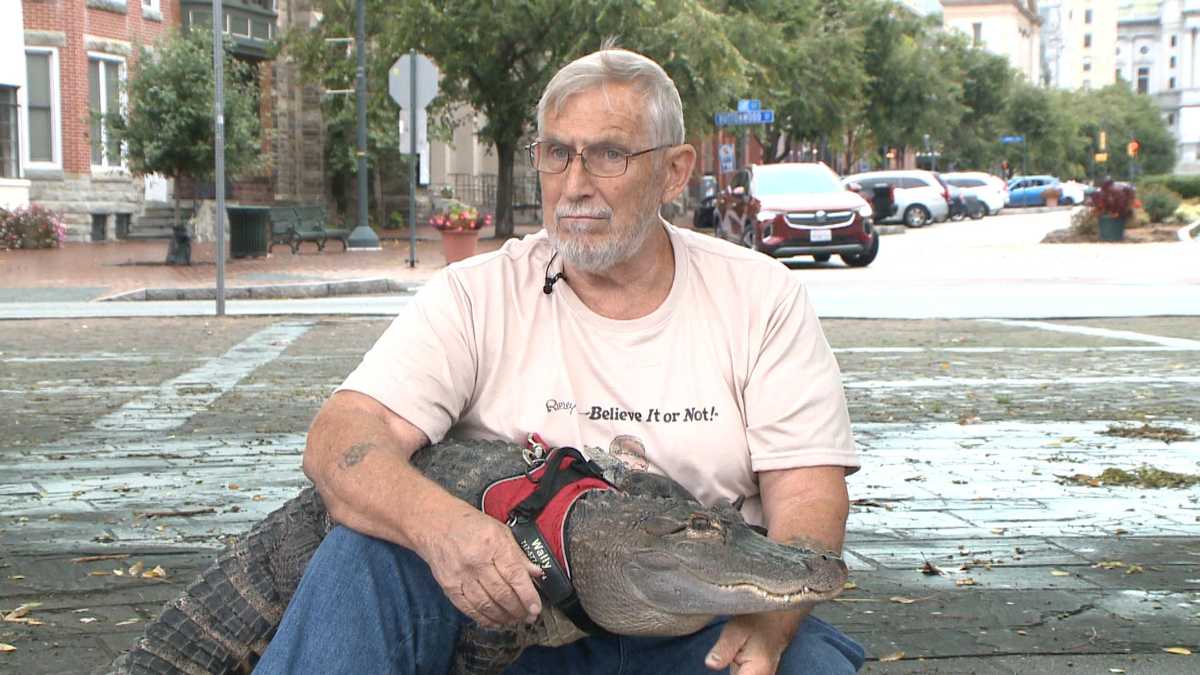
(459, 244)
(1051, 200)
(1112, 228)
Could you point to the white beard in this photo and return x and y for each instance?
(586, 255)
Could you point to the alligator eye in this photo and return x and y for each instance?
(700, 523)
(662, 526)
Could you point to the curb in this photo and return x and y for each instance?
(1190, 232)
(1018, 210)
(890, 229)
(323, 289)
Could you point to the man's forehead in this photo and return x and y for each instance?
(606, 112)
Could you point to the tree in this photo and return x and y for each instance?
(1123, 115)
(169, 128)
(496, 58)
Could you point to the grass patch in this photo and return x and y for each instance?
(1143, 477)
(1147, 430)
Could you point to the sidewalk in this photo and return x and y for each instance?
(92, 271)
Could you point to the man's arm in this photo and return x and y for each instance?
(358, 455)
(810, 505)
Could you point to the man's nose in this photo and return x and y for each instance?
(577, 182)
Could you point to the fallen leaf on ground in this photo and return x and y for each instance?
(88, 619)
(119, 572)
(157, 573)
(21, 611)
(127, 622)
(16, 577)
(1134, 569)
(894, 656)
(929, 569)
(99, 573)
(96, 558)
(5, 648)
(1109, 564)
(968, 581)
(1022, 632)
(136, 568)
(902, 600)
(1116, 670)
(999, 530)
(1060, 573)
(1182, 651)
(849, 586)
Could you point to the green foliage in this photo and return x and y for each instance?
(1187, 187)
(169, 128)
(1160, 203)
(31, 227)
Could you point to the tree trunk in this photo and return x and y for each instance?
(173, 242)
(505, 153)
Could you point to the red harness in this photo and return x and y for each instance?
(535, 505)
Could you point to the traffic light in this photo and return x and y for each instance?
(1133, 148)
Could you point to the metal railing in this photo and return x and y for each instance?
(480, 190)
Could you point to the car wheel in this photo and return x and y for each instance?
(821, 257)
(977, 210)
(1067, 201)
(916, 216)
(866, 257)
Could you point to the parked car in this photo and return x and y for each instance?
(1031, 191)
(964, 204)
(796, 209)
(920, 197)
(707, 207)
(991, 190)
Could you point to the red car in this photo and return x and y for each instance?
(796, 209)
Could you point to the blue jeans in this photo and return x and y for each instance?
(366, 606)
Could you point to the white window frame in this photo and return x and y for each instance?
(55, 116)
(122, 74)
(152, 4)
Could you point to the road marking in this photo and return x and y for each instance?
(175, 401)
(925, 382)
(1099, 332)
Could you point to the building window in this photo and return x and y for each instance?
(1144, 50)
(1171, 83)
(1087, 66)
(1087, 16)
(1174, 40)
(1172, 61)
(977, 33)
(1087, 40)
(41, 74)
(1143, 80)
(10, 151)
(1170, 119)
(105, 74)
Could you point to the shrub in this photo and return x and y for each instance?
(31, 227)
(1117, 200)
(1187, 187)
(1086, 222)
(1160, 203)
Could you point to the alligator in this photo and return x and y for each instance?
(645, 559)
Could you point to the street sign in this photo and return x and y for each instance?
(400, 87)
(1133, 148)
(729, 119)
(749, 105)
(1008, 140)
(1101, 156)
(725, 153)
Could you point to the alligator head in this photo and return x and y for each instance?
(648, 562)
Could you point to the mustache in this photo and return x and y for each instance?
(581, 211)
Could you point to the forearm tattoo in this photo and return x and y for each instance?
(354, 454)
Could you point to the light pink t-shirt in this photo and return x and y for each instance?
(731, 375)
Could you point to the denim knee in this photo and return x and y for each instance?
(821, 649)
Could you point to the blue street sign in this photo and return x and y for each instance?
(749, 105)
(1006, 140)
(729, 119)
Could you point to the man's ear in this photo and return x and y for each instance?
(678, 166)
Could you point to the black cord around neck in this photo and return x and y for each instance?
(548, 288)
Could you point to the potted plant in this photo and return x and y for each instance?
(1051, 195)
(459, 225)
(1113, 205)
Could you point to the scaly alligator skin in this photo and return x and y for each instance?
(648, 560)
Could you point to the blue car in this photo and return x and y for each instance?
(1030, 191)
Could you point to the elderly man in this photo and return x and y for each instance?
(608, 308)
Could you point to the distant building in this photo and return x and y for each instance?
(1010, 28)
(1157, 55)
(1079, 43)
(14, 188)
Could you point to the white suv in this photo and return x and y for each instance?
(919, 196)
(990, 189)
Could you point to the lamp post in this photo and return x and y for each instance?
(362, 237)
(219, 147)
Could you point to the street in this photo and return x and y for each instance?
(147, 442)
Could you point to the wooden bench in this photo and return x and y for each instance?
(294, 225)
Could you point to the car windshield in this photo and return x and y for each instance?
(796, 181)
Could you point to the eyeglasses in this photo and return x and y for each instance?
(602, 161)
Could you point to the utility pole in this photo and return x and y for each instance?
(362, 237)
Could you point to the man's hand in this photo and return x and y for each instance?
(752, 644)
(482, 570)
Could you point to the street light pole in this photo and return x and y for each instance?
(362, 237)
(219, 147)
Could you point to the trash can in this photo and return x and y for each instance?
(249, 231)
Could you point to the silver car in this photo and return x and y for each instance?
(919, 196)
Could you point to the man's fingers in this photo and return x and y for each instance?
(503, 595)
(733, 637)
(517, 577)
(482, 608)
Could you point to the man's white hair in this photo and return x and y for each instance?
(664, 110)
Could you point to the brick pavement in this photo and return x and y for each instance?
(1029, 584)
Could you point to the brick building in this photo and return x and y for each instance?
(77, 52)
